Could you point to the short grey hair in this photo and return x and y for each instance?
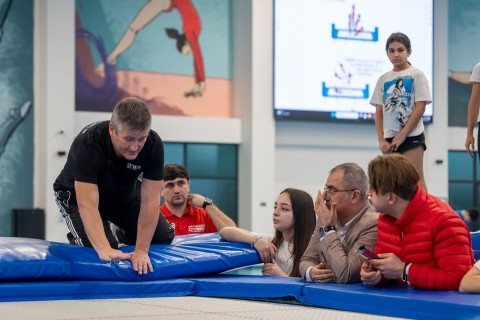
(132, 113)
(354, 177)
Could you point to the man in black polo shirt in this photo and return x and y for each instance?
(114, 173)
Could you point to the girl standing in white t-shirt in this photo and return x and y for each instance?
(400, 97)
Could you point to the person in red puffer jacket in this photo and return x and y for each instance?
(421, 240)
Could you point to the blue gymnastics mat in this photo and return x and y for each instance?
(33, 259)
(238, 286)
(393, 301)
(40, 270)
(397, 301)
(75, 290)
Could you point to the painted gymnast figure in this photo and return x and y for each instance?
(186, 42)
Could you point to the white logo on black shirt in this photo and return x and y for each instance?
(89, 126)
(133, 167)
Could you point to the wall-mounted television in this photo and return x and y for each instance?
(329, 54)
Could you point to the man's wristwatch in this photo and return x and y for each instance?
(323, 230)
(405, 272)
(207, 202)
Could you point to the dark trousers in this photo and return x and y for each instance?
(126, 219)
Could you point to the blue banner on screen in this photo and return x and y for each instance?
(329, 54)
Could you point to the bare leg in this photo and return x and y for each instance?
(415, 156)
(148, 12)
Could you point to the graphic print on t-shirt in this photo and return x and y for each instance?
(397, 102)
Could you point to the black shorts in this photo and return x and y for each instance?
(411, 143)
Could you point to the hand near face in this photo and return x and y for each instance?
(195, 200)
(327, 217)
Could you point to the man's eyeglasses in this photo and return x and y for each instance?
(331, 190)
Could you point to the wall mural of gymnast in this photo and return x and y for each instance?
(167, 52)
(16, 109)
(11, 122)
(15, 115)
(4, 8)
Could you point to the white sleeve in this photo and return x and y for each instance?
(377, 93)
(475, 77)
(477, 264)
(307, 274)
(422, 88)
(265, 236)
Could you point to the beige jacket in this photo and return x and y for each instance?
(340, 257)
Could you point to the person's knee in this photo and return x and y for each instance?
(79, 240)
(163, 236)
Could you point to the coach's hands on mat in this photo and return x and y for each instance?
(141, 262)
(110, 254)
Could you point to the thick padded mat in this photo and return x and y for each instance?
(193, 255)
(394, 301)
(190, 257)
(238, 286)
(74, 290)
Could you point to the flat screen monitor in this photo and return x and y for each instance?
(329, 54)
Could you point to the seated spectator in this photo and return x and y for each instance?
(421, 240)
(471, 281)
(189, 213)
(294, 222)
(469, 217)
(346, 221)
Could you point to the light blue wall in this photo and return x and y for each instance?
(463, 55)
(463, 34)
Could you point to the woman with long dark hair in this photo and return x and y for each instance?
(294, 222)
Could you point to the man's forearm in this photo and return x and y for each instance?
(94, 229)
(147, 224)
(219, 218)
